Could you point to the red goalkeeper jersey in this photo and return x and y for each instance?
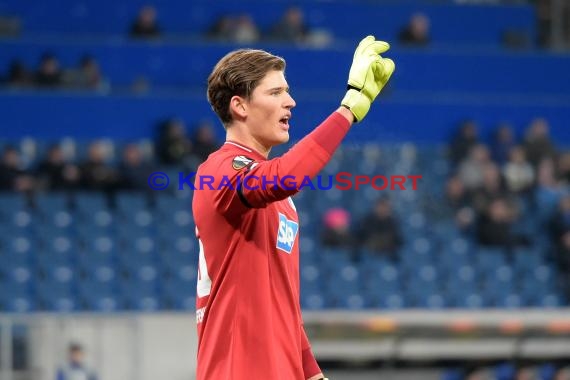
(248, 310)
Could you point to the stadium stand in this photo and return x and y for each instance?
(81, 251)
(74, 250)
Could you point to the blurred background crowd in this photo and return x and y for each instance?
(96, 96)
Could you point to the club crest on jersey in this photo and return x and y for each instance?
(241, 162)
(286, 233)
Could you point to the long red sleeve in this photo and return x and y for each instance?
(310, 365)
(305, 160)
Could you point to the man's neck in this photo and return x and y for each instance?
(234, 134)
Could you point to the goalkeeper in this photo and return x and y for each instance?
(248, 310)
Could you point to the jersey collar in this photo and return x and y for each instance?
(233, 145)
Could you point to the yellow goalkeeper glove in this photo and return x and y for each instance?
(368, 74)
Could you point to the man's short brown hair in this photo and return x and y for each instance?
(239, 73)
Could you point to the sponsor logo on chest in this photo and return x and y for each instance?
(286, 233)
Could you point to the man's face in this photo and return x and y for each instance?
(76, 356)
(269, 110)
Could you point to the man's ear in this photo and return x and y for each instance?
(238, 106)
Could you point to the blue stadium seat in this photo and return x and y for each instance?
(20, 220)
(184, 246)
(98, 290)
(55, 223)
(132, 220)
(461, 282)
(99, 242)
(102, 302)
(88, 203)
(99, 222)
(55, 296)
(526, 260)
(16, 298)
(313, 300)
(19, 249)
(486, 259)
(303, 199)
(308, 249)
(130, 234)
(186, 272)
(391, 301)
(56, 273)
(551, 300)
(311, 282)
(179, 294)
(423, 288)
(428, 300)
(510, 301)
(171, 260)
(16, 276)
(138, 241)
(382, 282)
(12, 202)
(52, 202)
(140, 294)
(128, 202)
(167, 203)
(470, 300)
(334, 259)
(179, 218)
(60, 244)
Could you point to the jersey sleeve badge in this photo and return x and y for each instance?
(240, 162)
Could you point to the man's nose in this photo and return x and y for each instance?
(290, 102)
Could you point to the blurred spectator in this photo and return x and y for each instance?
(563, 374)
(467, 136)
(172, 145)
(13, 177)
(537, 143)
(477, 374)
(336, 229)
(491, 188)
(204, 140)
(416, 32)
(505, 371)
(145, 25)
(548, 190)
(133, 170)
(291, 27)
(525, 373)
(55, 173)
(245, 30)
(518, 172)
(140, 85)
(222, 30)
(503, 142)
(553, 18)
(240, 29)
(87, 76)
(10, 26)
(49, 72)
(75, 368)
(544, 21)
(96, 174)
(455, 207)
(563, 169)
(379, 230)
(471, 170)
(560, 232)
(19, 75)
(494, 226)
